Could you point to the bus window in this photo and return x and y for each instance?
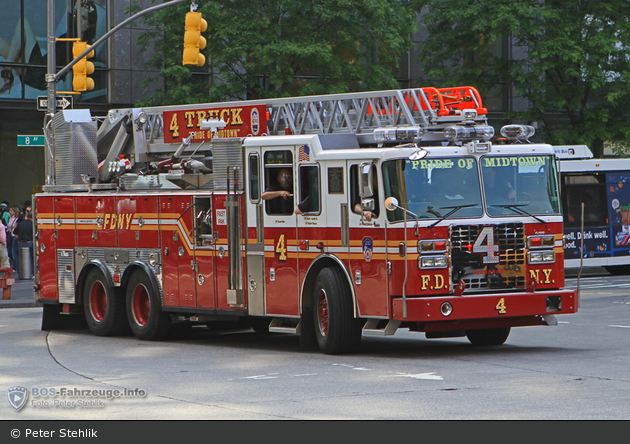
(589, 189)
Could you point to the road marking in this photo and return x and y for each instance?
(430, 375)
(353, 367)
(269, 376)
(620, 326)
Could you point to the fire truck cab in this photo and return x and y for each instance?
(330, 217)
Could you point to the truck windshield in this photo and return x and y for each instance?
(527, 183)
(432, 188)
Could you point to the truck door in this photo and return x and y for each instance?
(281, 282)
(255, 246)
(368, 241)
(203, 235)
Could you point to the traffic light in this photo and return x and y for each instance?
(82, 69)
(193, 40)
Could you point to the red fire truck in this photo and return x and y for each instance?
(330, 217)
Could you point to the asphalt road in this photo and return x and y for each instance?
(576, 370)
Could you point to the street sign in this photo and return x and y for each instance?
(63, 102)
(30, 140)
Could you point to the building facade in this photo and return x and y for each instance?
(119, 72)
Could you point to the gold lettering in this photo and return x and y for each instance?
(113, 223)
(490, 161)
(129, 218)
(201, 115)
(425, 281)
(533, 274)
(106, 219)
(223, 114)
(189, 115)
(121, 221)
(439, 282)
(213, 114)
(174, 127)
(236, 116)
(547, 272)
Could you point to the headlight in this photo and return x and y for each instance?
(537, 257)
(433, 261)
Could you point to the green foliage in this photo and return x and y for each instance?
(276, 48)
(568, 58)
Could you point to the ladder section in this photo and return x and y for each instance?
(356, 113)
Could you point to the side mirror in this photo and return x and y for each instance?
(367, 205)
(391, 203)
(366, 184)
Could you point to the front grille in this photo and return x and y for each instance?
(468, 266)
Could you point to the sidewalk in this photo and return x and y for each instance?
(22, 295)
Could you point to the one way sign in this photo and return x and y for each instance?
(63, 102)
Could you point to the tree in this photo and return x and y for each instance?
(276, 48)
(573, 68)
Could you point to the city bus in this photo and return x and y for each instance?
(603, 186)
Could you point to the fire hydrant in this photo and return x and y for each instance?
(6, 282)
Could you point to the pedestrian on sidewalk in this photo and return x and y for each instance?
(4, 257)
(12, 240)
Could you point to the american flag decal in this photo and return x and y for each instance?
(304, 155)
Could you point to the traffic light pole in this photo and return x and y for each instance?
(52, 78)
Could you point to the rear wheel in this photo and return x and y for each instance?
(488, 336)
(336, 329)
(146, 319)
(104, 306)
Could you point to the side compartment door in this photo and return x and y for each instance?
(368, 241)
(45, 248)
(176, 221)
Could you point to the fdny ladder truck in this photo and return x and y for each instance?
(393, 209)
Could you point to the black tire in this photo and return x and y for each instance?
(489, 336)
(104, 306)
(308, 340)
(146, 319)
(337, 331)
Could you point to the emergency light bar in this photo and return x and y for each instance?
(457, 133)
(518, 132)
(394, 134)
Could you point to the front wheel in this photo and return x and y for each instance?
(104, 307)
(336, 329)
(146, 319)
(488, 336)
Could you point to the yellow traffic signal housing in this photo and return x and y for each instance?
(193, 40)
(82, 69)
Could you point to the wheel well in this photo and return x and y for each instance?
(311, 275)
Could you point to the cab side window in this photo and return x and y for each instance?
(309, 189)
(278, 194)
